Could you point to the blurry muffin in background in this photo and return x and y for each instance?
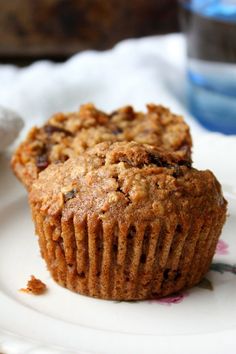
(67, 135)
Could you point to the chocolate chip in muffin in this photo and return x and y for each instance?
(179, 228)
(50, 129)
(177, 172)
(158, 161)
(69, 195)
(42, 162)
(185, 163)
(117, 131)
(143, 258)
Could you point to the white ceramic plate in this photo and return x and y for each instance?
(197, 321)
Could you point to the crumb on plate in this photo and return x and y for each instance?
(34, 286)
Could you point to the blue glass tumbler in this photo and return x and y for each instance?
(210, 28)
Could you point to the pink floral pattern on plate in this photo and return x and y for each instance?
(170, 300)
(222, 248)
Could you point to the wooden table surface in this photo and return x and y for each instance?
(56, 29)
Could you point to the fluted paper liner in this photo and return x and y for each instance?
(122, 261)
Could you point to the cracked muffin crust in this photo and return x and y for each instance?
(67, 135)
(127, 221)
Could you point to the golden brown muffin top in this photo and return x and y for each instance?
(128, 182)
(67, 135)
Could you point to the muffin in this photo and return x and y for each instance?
(67, 135)
(127, 221)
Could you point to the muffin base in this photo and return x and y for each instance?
(120, 261)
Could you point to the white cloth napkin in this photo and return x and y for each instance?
(10, 126)
(135, 71)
